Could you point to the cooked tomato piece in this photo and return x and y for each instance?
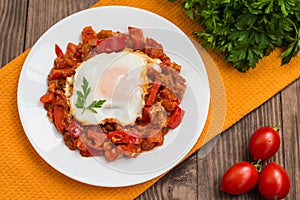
(137, 37)
(61, 73)
(176, 117)
(121, 137)
(105, 34)
(58, 115)
(169, 99)
(147, 144)
(88, 33)
(72, 51)
(152, 93)
(47, 98)
(60, 63)
(157, 137)
(130, 150)
(166, 60)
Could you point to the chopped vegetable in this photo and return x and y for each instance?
(47, 98)
(122, 137)
(176, 117)
(146, 114)
(59, 53)
(58, 113)
(152, 93)
(247, 30)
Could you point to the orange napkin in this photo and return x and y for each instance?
(25, 175)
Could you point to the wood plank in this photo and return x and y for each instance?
(12, 34)
(180, 183)
(290, 136)
(42, 14)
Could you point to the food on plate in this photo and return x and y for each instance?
(114, 94)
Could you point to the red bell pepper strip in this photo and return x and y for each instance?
(58, 115)
(59, 53)
(152, 93)
(176, 117)
(146, 114)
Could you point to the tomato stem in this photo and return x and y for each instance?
(257, 165)
(276, 128)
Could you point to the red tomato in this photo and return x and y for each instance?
(152, 93)
(274, 182)
(264, 143)
(121, 137)
(239, 178)
(176, 117)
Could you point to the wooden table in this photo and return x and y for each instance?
(24, 21)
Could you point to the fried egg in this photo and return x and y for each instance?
(119, 79)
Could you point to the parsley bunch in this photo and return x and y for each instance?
(247, 30)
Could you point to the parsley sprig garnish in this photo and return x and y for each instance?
(247, 30)
(82, 97)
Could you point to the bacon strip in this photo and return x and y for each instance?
(137, 37)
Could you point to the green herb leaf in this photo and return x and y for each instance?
(246, 30)
(82, 97)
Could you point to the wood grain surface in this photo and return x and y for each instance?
(24, 21)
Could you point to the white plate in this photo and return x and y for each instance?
(124, 172)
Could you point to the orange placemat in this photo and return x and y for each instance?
(25, 175)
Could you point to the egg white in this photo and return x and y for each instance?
(119, 79)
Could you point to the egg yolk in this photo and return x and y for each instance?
(119, 83)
